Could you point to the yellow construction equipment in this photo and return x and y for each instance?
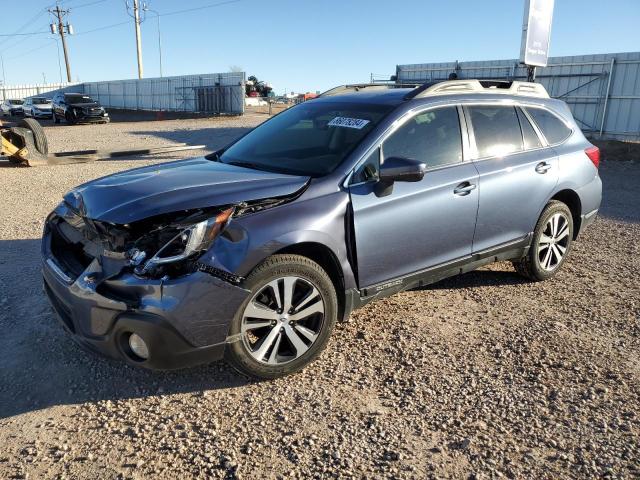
(26, 145)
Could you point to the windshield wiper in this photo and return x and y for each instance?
(253, 166)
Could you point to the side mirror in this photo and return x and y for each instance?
(397, 169)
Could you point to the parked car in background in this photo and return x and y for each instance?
(78, 108)
(11, 107)
(38, 107)
(254, 252)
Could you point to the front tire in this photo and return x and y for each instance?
(551, 243)
(286, 321)
(69, 118)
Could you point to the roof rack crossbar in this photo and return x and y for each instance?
(479, 86)
(357, 87)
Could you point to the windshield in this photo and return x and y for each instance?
(312, 138)
(41, 101)
(78, 99)
(16, 102)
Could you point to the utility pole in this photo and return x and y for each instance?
(60, 29)
(136, 18)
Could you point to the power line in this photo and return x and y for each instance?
(74, 7)
(21, 34)
(103, 28)
(212, 5)
(40, 47)
(26, 24)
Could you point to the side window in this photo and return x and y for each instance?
(553, 129)
(432, 137)
(496, 129)
(529, 135)
(369, 169)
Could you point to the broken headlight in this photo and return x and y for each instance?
(186, 244)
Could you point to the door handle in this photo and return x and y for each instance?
(543, 167)
(465, 188)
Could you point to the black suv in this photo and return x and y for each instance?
(78, 108)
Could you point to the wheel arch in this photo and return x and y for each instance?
(572, 200)
(327, 259)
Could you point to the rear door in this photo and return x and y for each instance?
(418, 225)
(517, 173)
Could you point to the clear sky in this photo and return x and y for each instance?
(301, 45)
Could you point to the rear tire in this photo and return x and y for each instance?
(273, 340)
(39, 137)
(551, 243)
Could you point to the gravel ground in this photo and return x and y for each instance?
(483, 375)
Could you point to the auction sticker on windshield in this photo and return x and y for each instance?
(346, 122)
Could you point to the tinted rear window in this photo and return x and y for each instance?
(496, 129)
(554, 129)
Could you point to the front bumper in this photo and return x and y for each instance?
(183, 321)
(35, 114)
(82, 117)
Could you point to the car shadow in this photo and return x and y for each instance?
(477, 278)
(42, 366)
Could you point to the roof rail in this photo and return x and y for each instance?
(357, 87)
(479, 86)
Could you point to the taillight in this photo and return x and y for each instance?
(594, 155)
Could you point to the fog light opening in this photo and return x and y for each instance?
(138, 347)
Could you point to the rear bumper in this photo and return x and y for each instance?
(183, 321)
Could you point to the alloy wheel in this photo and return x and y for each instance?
(282, 320)
(553, 242)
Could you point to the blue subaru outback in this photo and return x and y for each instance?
(254, 252)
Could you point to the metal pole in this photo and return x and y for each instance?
(136, 18)
(60, 13)
(606, 98)
(531, 73)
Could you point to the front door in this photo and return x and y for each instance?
(418, 225)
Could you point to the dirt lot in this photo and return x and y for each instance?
(483, 375)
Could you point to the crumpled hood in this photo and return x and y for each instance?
(175, 186)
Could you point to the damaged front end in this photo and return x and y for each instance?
(108, 281)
